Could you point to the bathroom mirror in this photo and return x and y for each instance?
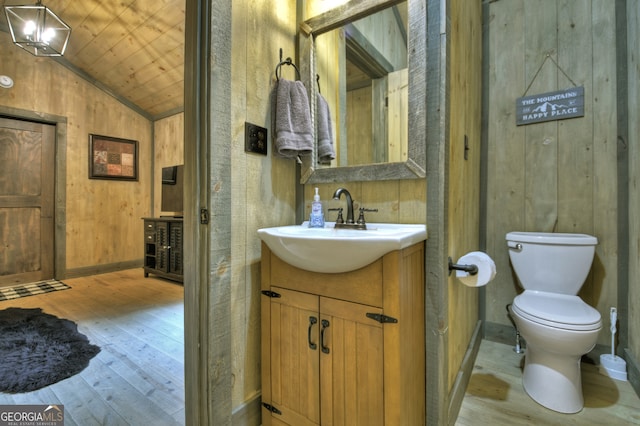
(338, 47)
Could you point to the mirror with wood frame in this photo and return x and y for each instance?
(351, 49)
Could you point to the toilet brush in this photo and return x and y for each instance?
(610, 364)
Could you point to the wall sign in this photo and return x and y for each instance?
(568, 103)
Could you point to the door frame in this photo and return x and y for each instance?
(60, 180)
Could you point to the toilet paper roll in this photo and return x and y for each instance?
(486, 269)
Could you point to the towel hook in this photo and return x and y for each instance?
(287, 61)
(318, 82)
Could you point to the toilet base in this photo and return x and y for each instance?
(553, 381)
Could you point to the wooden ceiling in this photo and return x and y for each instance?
(132, 48)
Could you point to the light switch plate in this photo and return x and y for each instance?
(255, 139)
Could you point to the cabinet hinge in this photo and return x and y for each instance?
(271, 408)
(381, 318)
(270, 293)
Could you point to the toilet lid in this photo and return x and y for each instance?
(557, 310)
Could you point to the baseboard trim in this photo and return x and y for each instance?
(102, 269)
(633, 371)
(464, 375)
(249, 413)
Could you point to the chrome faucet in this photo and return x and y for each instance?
(336, 196)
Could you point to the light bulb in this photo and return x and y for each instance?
(48, 34)
(29, 27)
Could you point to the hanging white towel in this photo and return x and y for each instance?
(291, 116)
(326, 151)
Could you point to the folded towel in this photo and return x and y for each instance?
(325, 132)
(291, 116)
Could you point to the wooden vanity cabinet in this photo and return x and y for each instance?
(347, 348)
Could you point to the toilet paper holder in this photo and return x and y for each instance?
(471, 269)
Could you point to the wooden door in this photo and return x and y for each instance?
(27, 155)
(295, 377)
(351, 364)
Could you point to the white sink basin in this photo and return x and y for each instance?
(333, 250)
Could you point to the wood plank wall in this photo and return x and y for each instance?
(465, 80)
(633, 55)
(103, 224)
(558, 176)
(263, 187)
(397, 201)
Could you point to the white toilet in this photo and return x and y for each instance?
(557, 325)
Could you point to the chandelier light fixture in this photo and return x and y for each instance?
(37, 29)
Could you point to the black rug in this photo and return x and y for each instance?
(38, 349)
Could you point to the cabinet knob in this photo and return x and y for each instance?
(312, 321)
(325, 324)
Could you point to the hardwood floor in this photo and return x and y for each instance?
(495, 395)
(138, 376)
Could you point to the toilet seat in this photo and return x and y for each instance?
(557, 310)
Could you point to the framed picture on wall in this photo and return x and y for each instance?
(112, 158)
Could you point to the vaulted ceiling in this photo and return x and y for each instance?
(131, 48)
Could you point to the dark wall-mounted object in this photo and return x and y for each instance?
(169, 175)
(172, 190)
(255, 139)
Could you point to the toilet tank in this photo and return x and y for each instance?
(551, 262)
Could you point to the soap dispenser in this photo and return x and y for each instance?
(316, 219)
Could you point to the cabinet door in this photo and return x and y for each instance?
(351, 364)
(149, 246)
(295, 377)
(162, 240)
(175, 250)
